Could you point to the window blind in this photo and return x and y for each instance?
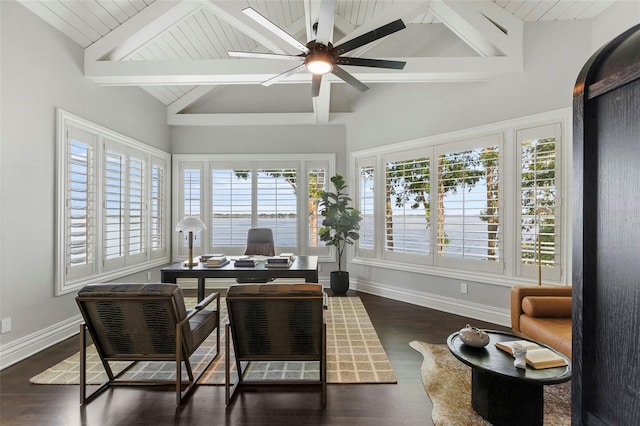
(231, 206)
(366, 207)
(277, 204)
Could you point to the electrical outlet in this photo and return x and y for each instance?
(464, 288)
(6, 325)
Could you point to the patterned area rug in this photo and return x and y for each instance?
(448, 384)
(354, 355)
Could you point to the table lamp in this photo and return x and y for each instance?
(190, 225)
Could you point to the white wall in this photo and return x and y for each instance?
(41, 69)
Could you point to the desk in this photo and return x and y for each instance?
(302, 267)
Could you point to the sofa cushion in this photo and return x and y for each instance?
(555, 332)
(547, 306)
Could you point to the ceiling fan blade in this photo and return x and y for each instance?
(325, 21)
(283, 75)
(376, 63)
(253, 14)
(315, 85)
(339, 72)
(366, 38)
(265, 56)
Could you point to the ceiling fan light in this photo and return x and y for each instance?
(319, 66)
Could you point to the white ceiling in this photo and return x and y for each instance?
(177, 50)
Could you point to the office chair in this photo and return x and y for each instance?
(259, 243)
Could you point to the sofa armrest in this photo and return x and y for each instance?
(520, 292)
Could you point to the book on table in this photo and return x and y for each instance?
(278, 262)
(216, 261)
(245, 262)
(537, 356)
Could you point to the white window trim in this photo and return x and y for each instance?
(64, 121)
(508, 128)
(303, 162)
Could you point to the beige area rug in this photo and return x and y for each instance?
(354, 355)
(448, 384)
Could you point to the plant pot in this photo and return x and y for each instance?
(339, 282)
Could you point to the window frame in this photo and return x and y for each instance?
(510, 272)
(68, 279)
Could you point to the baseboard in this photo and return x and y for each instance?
(23, 348)
(453, 306)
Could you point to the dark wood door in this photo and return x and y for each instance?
(606, 253)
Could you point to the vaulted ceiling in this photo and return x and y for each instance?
(178, 50)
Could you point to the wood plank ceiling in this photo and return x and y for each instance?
(177, 50)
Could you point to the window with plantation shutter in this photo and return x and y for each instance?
(158, 209)
(137, 207)
(231, 193)
(317, 181)
(482, 204)
(539, 195)
(366, 195)
(80, 207)
(105, 227)
(277, 206)
(114, 207)
(407, 206)
(468, 206)
(231, 206)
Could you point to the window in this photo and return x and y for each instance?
(484, 200)
(469, 206)
(105, 227)
(240, 192)
(539, 201)
(277, 205)
(407, 206)
(366, 195)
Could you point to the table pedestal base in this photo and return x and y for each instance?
(506, 402)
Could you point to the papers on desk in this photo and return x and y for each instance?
(279, 262)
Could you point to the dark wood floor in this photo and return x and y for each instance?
(405, 403)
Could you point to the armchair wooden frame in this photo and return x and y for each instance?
(181, 353)
(244, 354)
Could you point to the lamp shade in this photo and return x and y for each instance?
(190, 224)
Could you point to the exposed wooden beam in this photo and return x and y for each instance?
(322, 102)
(188, 99)
(139, 30)
(254, 71)
(253, 119)
(483, 25)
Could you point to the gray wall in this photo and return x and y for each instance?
(41, 69)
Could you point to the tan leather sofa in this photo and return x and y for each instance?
(543, 313)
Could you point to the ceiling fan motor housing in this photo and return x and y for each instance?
(320, 59)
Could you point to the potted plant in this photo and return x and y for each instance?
(340, 225)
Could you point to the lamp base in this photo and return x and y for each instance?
(186, 263)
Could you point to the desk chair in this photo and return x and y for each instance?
(259, 243)
(275, 322)
(144, 322)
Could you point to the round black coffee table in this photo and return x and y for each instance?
(500, 392)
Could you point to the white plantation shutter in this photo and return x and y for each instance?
(192, 204)
(114, 208)
(231, 206)
(317, 181)
(469, 206)
(407, 201)
(158, 210)
(277, 205)
(539, 200)
(366, 197)
(80, 206)
(137, 207)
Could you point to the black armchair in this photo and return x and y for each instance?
(144, 322)
(275, 322)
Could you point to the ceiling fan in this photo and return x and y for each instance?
(319, 56)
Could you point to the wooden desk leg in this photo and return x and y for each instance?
(201, 288)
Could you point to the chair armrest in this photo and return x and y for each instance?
(204, 302)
